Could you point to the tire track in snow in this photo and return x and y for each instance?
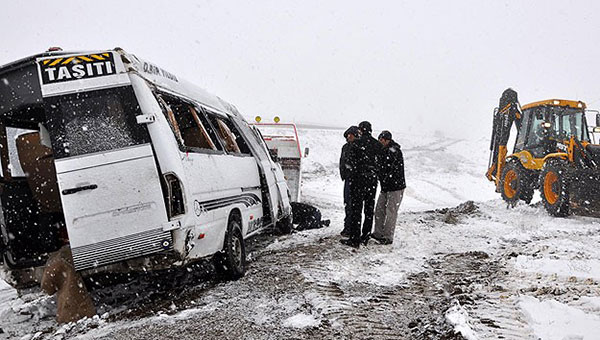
(499, 317)
(451, 192)
(362, 316)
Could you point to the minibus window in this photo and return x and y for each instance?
(94, 121)
(193, 136)
(230, 135)
(209, 128)
(238, 137)
(225, 134)
(171, 118)
(188, 125)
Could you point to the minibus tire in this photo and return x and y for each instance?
(231, 261)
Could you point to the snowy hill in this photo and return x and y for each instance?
(480, 270)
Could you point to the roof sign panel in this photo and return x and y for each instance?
(72, 73)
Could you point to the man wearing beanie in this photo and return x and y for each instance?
(351, 134)
(391, 177)
(362, 160)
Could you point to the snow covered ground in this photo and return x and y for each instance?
(481, 269)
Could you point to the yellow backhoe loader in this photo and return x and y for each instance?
(553, 153)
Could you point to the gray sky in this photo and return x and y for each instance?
(418, 65)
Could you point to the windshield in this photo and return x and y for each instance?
(94, 121)
(570, 122)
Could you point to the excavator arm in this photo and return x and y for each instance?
(505, 115)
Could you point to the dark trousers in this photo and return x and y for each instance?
(362, 199)
(347, 207)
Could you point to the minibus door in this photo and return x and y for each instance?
(275, 183)
(108, 178)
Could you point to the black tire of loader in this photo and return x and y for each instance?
(230, 263)
(524, 180)
(561, 207)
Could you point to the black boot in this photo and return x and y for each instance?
(365, 239)
(350, 242)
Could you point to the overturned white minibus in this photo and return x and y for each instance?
(128, 164)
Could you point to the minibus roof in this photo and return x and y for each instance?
(152, 73)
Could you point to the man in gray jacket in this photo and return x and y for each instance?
(391, 177)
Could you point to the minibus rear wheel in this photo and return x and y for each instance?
(231, 261)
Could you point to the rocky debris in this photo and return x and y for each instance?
(454, 215)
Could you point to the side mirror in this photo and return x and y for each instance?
(306, 150)
(145, 119)
(597, 119)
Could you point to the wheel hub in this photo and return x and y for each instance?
(551, 187)
(511, 183)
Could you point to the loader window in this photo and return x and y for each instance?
(566, 126)
(536, 131)
(520, 143)
(94, 121)
(573, 124)
(556, 127)
(579, 126)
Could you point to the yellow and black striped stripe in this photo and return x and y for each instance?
(88, 58)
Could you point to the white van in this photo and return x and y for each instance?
(128, 164)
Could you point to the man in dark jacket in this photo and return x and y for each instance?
(391, 177)
(362, 160)
(351, 134)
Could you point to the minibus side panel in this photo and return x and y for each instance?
(219, 183)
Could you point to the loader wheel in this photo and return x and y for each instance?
(555, 193)
(516, 183)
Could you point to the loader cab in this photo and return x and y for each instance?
(547, 125)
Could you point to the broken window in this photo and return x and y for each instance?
(94, 121)
(239, 139)
(229, 134)
(224, 133)
(191, 132)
